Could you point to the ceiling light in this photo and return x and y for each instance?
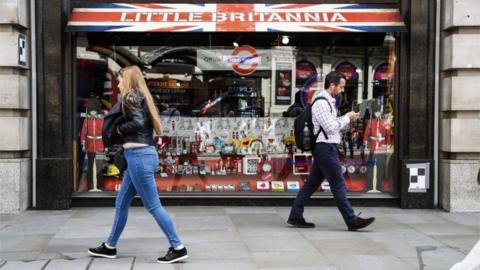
(285, 40)
(389, 39)
(235, 44)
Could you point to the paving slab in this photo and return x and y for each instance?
(253, 230)
(196, 223)
(356, 246)
(77, 264)
(444, 229)
(19, 256)
(257, 219)
(218, 250)
(250, 210)
(220, 263)
(298, 258)
(319, 267)
(275, 244)
(439, 257)
(370, 262)
(17, 265)
(467, 219)
(462, 243)
(231, 235)
(110, 264)
(150, 263)
(24, 243)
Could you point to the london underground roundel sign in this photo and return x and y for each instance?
(244, 60)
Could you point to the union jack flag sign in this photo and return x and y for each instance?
(236, 18)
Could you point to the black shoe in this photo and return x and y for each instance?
(103, 251)
(173, 256)
(300, 223)
(360, 223)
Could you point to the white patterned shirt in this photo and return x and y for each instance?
(327, 119)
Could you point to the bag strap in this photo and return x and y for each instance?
(321, 130)
(173, 111)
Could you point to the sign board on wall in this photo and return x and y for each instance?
(164, 17)
(243, 60)
(382, 73)
(303, 71)
(348, 69)
(418, 177)
(22, 50)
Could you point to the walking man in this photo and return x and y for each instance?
(326, 161)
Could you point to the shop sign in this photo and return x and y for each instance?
(160, 17)
(303, 71)
(243, 60)
(283, 84)
(348, 69)
(382, 73)
(22, 50)
(168, 84)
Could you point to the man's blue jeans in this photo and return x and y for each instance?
(139, 178)
(327, 165)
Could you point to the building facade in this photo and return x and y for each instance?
(15, 107)
(426, 82)
(459, 107)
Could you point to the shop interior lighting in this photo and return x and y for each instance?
(285, 40)
(389, 39)
(236, 43)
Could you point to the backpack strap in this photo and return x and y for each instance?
(321, 128)
(173, 112)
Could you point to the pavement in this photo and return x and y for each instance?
(240, 238)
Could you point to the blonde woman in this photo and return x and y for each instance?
(141, 118)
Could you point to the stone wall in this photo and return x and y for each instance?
(460, 106)
(15, 107)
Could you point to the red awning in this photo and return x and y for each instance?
(236, 18)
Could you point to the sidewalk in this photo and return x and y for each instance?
(240, 238)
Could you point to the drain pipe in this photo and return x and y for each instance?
(436, 124)
(33, 85)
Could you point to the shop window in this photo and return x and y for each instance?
(222, 114)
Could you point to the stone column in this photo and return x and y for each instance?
(15, 107)
(459, 181)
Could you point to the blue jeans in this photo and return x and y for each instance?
(326, 165)
(139, 178)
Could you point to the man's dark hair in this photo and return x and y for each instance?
(334, 77)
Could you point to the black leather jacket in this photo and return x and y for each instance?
(138, 127)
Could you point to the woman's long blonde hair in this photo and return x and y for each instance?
(132, 79)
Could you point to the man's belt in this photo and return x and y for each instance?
(94, 137)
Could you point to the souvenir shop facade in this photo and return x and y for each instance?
(223, 77)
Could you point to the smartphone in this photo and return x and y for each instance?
(356, 107)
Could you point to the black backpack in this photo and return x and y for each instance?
(305, 138)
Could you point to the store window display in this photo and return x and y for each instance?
(225, 132)
(92, 144)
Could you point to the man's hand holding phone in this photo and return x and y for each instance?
(353, 116)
